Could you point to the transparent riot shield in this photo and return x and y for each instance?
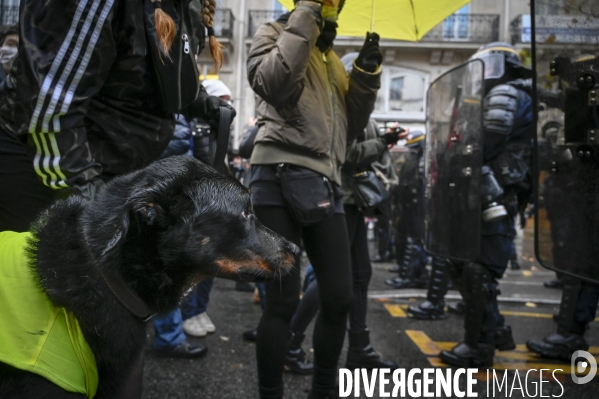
(453, 162)
(565, 36)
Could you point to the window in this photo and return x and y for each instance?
(402, 91)
(457, 26)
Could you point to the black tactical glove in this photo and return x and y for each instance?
(207, 108)
(370, 57)
(212, 110)
(393, 136)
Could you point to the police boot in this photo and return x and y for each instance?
(295, 358)
(402, 273)
(503, 339)
(433, 307)
(411, 267)
(496, 332)
(564, 342)
(457, 308)
(558, 346)
(472, 352)
(360, 355)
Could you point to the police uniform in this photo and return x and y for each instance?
(410, 227)
(507, 147)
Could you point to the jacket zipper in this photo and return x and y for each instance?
(333, 107)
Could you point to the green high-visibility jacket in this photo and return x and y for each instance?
(35, 334)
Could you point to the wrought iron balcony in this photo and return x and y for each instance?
(471, 28)
(556, 29)
(224, 21)
(9, 15)
(259, 17)
(478, 28)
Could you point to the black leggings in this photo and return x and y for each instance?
(327, 246)
(361, 274)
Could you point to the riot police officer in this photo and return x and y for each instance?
(568, 154)
(504, 178)
(410, 197)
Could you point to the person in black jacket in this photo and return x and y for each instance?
(93, 94)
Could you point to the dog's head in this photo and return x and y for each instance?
(179, 220)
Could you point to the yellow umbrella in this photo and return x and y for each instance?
(392, 19)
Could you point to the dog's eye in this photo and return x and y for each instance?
(246, 212)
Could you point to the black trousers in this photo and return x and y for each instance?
(23, 196)
(327, 246)
(361, 274)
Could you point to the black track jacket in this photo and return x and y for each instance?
(85, 93)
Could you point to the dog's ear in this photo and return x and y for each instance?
(149, 212)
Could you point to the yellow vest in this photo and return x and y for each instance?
(36, 335)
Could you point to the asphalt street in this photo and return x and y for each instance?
(229, 369)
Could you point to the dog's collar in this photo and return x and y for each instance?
(126, 296)
(123, 293)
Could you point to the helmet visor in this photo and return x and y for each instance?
(494, 64)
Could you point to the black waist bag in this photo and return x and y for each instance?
(369, 192)
(308, 195)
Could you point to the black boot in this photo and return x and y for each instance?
(433, 307)
(464, 355)
(411, 267)
(477, 282)
(557, 346)
(427, 310)
(553, 284)
(295, 358)
(503, 338)
(456, 308)
(361, 355)
(562, 344)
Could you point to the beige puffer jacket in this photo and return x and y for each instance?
(306, 99)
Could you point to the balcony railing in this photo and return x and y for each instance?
(224, 21)
(9, 15)
(556, 29)
(473, 28)
(259, 17)
(478, 28)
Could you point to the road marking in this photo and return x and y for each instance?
(396, 310)
(520, 366)
(423, 342)
(519, 359)
(421, 293)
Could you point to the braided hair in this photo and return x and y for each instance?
(215, 46)
(165, 27)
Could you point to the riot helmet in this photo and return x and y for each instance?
(502, 64)
(415, 140)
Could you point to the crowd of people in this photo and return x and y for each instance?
(85, 104)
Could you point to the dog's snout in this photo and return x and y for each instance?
(294, 249)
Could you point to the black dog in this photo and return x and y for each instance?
(160, 230)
